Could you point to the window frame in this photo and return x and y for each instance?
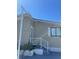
(56, 33)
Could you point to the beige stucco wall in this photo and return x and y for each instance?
(41, 28)
(26, 28)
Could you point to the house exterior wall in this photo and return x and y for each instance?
(25, 30)
(41, 29)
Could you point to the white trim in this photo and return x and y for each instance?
(53, 49)
(46, 21)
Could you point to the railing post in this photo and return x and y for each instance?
(41, 42)
(47, 47)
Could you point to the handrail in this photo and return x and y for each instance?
(44, 34)
(41, 42)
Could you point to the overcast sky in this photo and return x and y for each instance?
(42, 9)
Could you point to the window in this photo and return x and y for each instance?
(54, 32)
(58, 31)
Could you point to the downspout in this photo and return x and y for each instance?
(20, 35)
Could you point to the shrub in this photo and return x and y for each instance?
(28, 46)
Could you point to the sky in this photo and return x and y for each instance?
(42, 9)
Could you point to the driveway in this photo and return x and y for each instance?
(54, 55)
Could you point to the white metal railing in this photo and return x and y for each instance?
(42, 42)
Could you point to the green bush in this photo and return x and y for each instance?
(28, 46)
